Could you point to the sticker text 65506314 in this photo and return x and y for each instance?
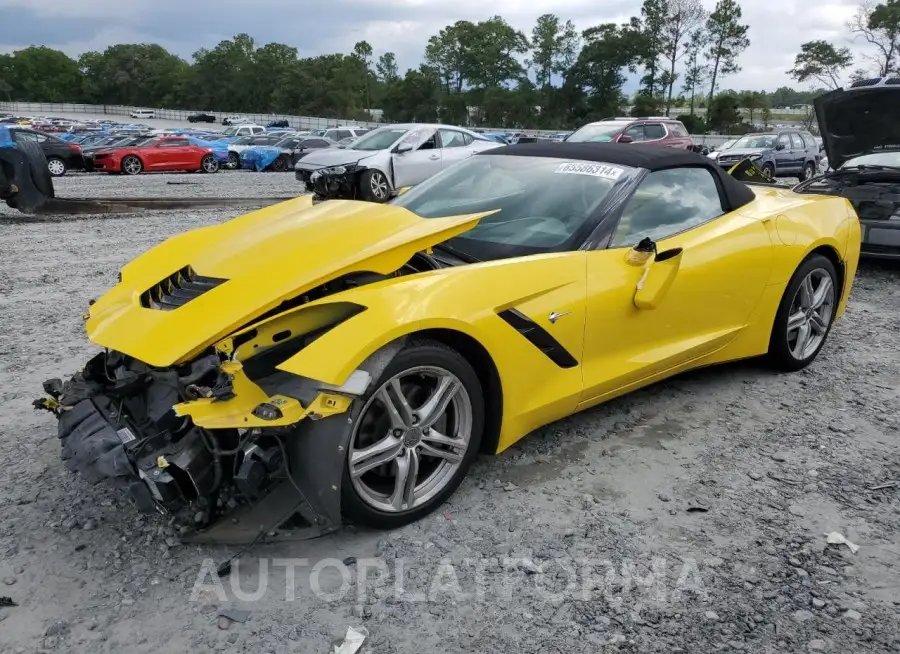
(592, 169)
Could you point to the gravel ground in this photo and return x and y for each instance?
(688, 517)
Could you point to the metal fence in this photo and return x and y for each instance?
(69, 110)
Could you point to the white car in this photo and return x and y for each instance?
(244, 130)
(143, 113)
(341, 133)
(387, 159)
(714, 154)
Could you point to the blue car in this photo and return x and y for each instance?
(788, 153)
(219, 148)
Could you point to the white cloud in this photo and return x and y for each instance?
(402, 26)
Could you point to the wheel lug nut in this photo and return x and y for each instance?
(398, 433)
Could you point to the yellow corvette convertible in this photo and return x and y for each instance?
(304, 366)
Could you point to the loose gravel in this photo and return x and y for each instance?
(688, 517)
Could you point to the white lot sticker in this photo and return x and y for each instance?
(125, 435)
(595, 170)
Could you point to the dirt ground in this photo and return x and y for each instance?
(688, 517)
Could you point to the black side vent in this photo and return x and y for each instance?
(178, 289)
(865, 82)
(892, 81)
(539, 337)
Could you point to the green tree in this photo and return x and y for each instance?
(387, 68)
(724, 113)
(651, 24)
(878, 25)
(682, 21)
(41, 74)
(822, 61)
(727, 40)
(695, 70)
(753, 101)
(363, 51)
(609, 50)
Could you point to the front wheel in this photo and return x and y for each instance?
(374, 186)
(769, 170)
(415, 438)
(209, 164)
(234, 160)
(806, 314)
(131, 165)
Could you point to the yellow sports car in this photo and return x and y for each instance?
(303, 366)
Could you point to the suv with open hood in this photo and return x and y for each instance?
(861, 136)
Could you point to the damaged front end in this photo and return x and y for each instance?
(225, 454)
(331, 182)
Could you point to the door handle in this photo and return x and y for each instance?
(434, 157)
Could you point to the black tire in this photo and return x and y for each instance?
(769, 170)
(37, 163)
(280, 164)
(130, 159)
(419, 352)
(809, 171)
(209, 164)
(779, 354)
(234, 160)
(58, 165)
(367, 183)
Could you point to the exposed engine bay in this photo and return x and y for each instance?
(119, 420)
(874, 194)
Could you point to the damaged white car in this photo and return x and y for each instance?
(387, 159)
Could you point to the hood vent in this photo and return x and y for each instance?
(178, 289)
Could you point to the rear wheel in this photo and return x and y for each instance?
(809, 171)
(131, 165)
(280, 164)
(374, 186)
(56, 166)
(209, 164)
(415, 438)
(806, 314)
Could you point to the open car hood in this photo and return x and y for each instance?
(859, 120)
(226, 276)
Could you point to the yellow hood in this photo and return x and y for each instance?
(265, 257)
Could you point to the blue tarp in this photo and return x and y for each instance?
(6, 138)
(219, 149)
(259, 158)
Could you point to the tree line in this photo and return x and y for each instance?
(478, 73)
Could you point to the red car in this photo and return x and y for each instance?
(155, 155)
(657, 130)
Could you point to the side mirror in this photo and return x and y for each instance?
(660, 270)
(403, 148)
(625, 139)
(779, 146)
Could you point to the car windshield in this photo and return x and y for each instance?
(602, 133)
(380, 139)
(244, 140)
(231, 131)
(756, 141)
(727, 145)
(543, 204)
(886, 158)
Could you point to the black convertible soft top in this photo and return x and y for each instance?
(635, 155)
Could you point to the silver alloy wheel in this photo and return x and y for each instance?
(379, 185)
(810, 314)
(809, 171)
(410, 439)
(132, 165)
(210, 164)
(234, 160)
(56, 167)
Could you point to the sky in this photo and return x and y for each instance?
(776, 28)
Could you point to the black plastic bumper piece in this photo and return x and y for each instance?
(91, 447)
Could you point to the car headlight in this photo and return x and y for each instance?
(334, 170)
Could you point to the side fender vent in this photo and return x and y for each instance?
(178, 289)
(539, 337)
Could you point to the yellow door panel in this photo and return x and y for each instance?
(699, 303)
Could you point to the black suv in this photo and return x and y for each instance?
(201, 118)
(61, 156)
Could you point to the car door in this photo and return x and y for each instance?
(785, 159)
(416, 157)
(654, 132)
(798, 149)
(173, 154)
(455, 146)
(636, 133)
(722, 262)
